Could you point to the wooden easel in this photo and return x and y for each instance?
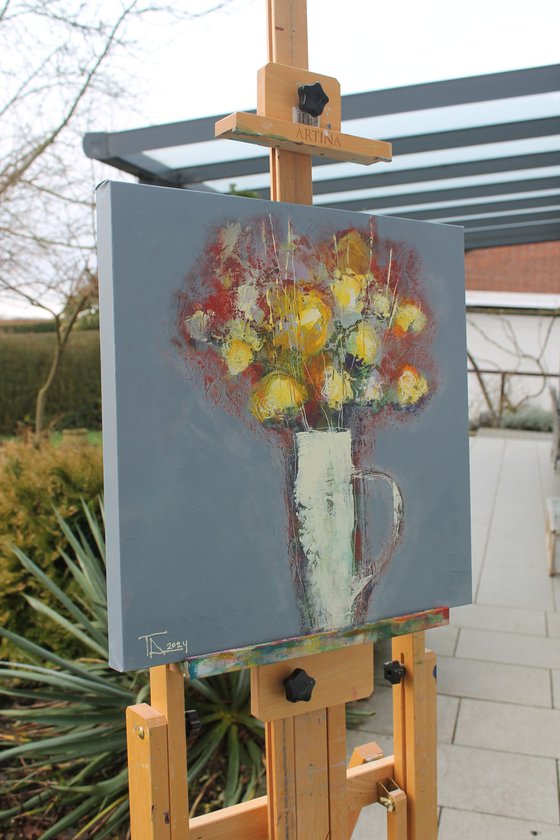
(312, 795)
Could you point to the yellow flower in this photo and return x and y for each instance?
(363, 343)
(348, 292)
(353, 253)
(300, 320)
(381, 304)
(276, 395)
(411, 386)
(238, 355)
(409, 317)
(337, 388)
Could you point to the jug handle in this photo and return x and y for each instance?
(398, 508)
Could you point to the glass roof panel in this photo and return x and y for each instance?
(182, 157)
(450, 118)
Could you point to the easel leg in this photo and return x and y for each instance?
(167, 689)
(306, 742)
(280, 779)
(306, 775)
(415, 734)
(148, 773)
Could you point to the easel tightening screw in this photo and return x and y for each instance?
(193, 724)
(299, 686)
(312, 99)
(394, 672)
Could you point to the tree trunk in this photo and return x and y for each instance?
(44, 389)
(62, 336)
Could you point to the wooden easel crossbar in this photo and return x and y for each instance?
(311, 793)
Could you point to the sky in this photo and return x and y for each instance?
(208, 66)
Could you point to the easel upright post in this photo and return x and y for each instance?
(290, 173)
(305, 753)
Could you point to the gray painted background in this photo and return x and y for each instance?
(196, 519)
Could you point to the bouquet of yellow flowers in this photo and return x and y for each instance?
(312, 327)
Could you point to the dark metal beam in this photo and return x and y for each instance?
(452, 92)
(103, 145)
(455, 194)
(476, 136)
(497, 237)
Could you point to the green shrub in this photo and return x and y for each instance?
(529, 419)
(34, 479)
(75, 396)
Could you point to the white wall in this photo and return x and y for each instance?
(513, 342)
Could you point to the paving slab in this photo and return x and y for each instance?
(518, 551)
(502, 619)
(555, 583)
(493, 782)
(553, 624)
(504, 726)
(442, 640)
(509, 648)
(372, 823)
(466, 825)
(494, 681)
(550, 481)
(516, 587)
(381, 722)
(556, 689)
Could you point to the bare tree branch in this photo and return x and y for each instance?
(61, 71)
(9, 178)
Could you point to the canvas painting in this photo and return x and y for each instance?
(284, 420)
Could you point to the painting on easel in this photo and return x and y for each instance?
(284, 420)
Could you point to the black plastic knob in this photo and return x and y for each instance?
(299, 686)
(193, 724)
(312, 99)
(393, 671)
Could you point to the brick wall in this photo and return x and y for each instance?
(515, 268)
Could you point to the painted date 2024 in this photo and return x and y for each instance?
(157, 646)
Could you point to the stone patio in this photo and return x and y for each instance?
(498, 662)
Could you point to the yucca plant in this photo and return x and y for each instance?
(63, 748)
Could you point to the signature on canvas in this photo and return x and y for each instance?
(156, 646)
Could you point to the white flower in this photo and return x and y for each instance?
(198, 325)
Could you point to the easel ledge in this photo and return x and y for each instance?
(209, 665)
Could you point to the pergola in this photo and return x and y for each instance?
(482, 152)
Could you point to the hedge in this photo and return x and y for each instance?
(34, 481)
(75, 397)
